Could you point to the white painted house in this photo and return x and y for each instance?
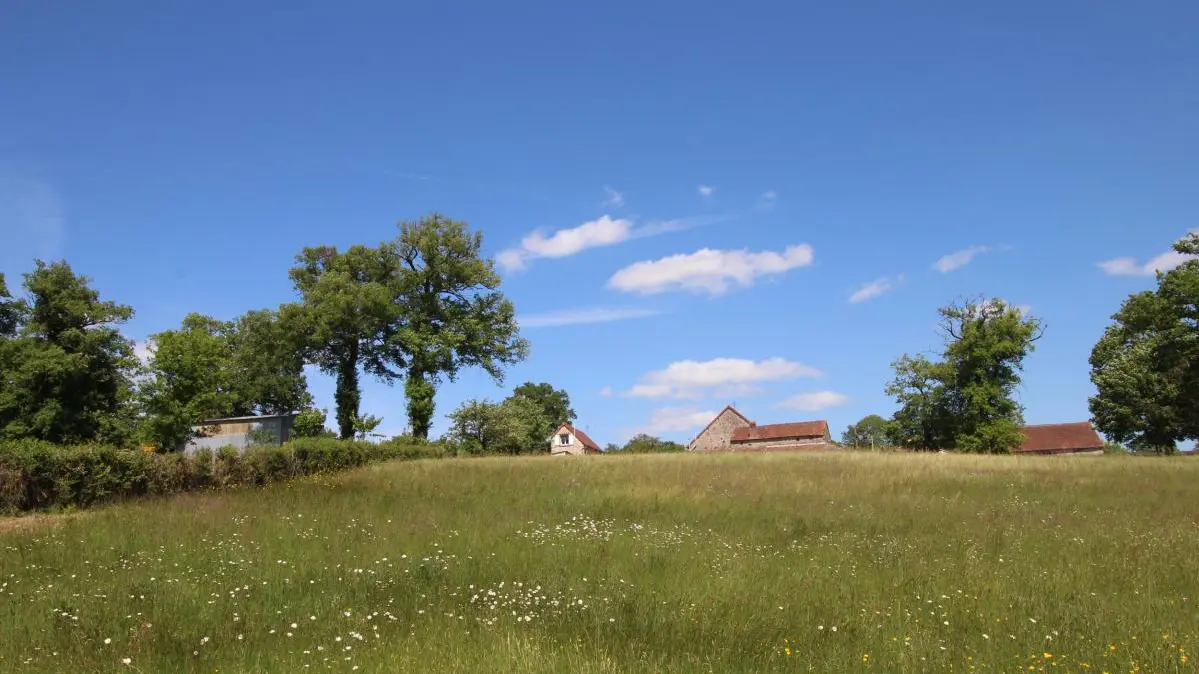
(571, 441)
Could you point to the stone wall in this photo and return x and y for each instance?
(716, 437)
(784, 444)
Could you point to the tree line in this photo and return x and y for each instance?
(1145, 369)
(417, 308)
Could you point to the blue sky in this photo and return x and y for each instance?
(709, 187)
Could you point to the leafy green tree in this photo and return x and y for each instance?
(310, 423)
(365, 425)
(191, 379)
(345, 319)
(923, 419)
(452, 314)
(11, 311)
(555, 403)
(966, 400)
(514, 426)
(643, 443)
(871, 431)
(268, 364)
(1145, 367)
(66, 370)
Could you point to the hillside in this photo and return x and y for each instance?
(679, 563)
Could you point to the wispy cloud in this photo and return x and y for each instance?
(1128, 266)
(958, 259)
(674, 420)
(615, 199)
(606, 392)
(706, 191)
(32, 217)
(813, 402)
(689, 379)
(767, 201)
(707, 270)
(583, 316)
(603, 231)
(873, 289)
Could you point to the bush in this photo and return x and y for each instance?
(36, 475)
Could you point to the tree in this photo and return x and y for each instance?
(966, 400)
(66, 370)
(268, 364)
(922, 420)
(191, 379)
(1145, 367)
(514, 426)
(452, 314)
(310, 423)
(871, 431)
(345, 317)
(555, 403)
(643, 443)
(210, 368)
(11, 311)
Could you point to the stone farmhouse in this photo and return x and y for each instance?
(1075, 438)
(732, 431)
(571, 441)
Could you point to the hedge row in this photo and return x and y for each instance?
(37, 475)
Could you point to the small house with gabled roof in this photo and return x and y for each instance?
(569, 440)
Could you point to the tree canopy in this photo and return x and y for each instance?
(65, 367)
(452, 314)
(210, 368)
(1145, 367)
(554, 403)
(966, 400)
(419, 308)
(644, 443)
(871, 431)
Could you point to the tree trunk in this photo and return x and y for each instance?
(419, 390)
(347, 396)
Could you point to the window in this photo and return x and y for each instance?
(564, 439)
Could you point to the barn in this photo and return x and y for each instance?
(732, 431)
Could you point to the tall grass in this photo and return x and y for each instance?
(669, 563)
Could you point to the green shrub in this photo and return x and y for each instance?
(37, 475)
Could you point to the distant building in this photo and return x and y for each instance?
(1074, 438)
(732, 431)
(571, 441)
(241, 432)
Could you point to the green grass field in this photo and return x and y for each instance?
(683, 563)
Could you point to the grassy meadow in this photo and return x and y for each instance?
(669, 563)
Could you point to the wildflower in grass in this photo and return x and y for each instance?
(107, 641)
(126, 661)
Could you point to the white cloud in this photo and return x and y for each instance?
(871, 290)
(1128, 266)
(706, 191)
(767, 201)
(615, 199)
(716, 377)
(583, 316)
(812, 402)
(675, 419)
(603, 231)
(707, 270)
(144, 350)
(959, 258)
(606, 392)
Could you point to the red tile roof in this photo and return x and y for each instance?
(1060, 438)
(800, 429)
(583, 437)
